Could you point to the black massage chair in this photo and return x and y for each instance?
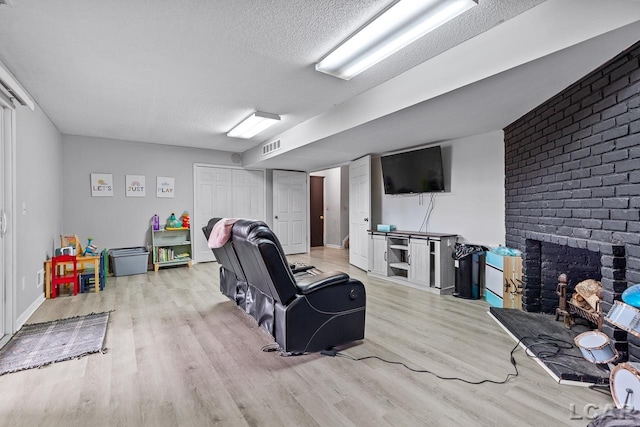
(314, 313)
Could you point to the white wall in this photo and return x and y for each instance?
(39, 190)
(121, 221)
(473, 205)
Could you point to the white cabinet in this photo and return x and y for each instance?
(398, 256)
(422, 260)
(419, 262)
(378, 254)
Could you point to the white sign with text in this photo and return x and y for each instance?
(101, 185)
(135, 185)
(165, 186)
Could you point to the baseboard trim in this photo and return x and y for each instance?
(334, 246)
(28, 312)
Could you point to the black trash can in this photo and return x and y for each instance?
(470, 270)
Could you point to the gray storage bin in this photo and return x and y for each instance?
(127, 261)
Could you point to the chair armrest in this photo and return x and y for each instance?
(320, 281)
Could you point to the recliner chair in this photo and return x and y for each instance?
(319, 312)
(233, 283)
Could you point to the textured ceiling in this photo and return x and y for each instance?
(484, 106)
(184, 73)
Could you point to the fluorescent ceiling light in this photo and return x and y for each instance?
(253, 125)
(401, 24)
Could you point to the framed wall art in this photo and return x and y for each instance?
(101, 185)
(135, 185)
(165, 187)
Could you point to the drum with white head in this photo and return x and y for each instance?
(596, 347)
(624, 317)
(625, 385)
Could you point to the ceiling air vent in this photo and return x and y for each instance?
(270, 147)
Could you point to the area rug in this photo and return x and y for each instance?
(40, 344)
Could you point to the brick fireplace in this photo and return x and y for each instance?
(545, 261)
(572, 185)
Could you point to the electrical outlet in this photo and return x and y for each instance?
(40, 278)
(24, 282)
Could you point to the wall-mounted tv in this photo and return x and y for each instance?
(418, 171)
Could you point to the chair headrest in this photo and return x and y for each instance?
(207, 228)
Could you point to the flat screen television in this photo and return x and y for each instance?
(418, 171)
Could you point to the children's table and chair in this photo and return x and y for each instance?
(68, 263)
(76, 270)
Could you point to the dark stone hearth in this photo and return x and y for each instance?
(568, 363)
(572, 175)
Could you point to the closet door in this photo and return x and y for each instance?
(224, 193)
(248, 194)
(213, 198)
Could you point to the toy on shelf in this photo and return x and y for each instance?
(173, 222)
(90, 249)
(71, 240)
(185, 219)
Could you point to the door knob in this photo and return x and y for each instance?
(321, 216)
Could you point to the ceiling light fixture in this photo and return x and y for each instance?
(253, 125)
(399, 25)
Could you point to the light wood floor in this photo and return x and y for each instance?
(180, 353)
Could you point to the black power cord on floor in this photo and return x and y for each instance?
(557, 345)
(334, 353)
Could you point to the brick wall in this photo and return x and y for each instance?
(572, 174)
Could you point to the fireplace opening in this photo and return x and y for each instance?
(546, 261)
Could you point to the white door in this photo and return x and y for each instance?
(7, 237)
(3, 224)
(290, 210)
(213, 198)
(248, 194)
(359, 211)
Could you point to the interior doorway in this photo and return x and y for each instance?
(335, 207)
(316, 210)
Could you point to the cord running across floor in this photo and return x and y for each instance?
(557, 345)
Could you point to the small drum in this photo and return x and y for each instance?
(624, 317)
(596, 347)
(625, 385)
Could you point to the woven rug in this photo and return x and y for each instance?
(40, 344)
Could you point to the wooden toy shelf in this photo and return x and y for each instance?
(171, 246)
